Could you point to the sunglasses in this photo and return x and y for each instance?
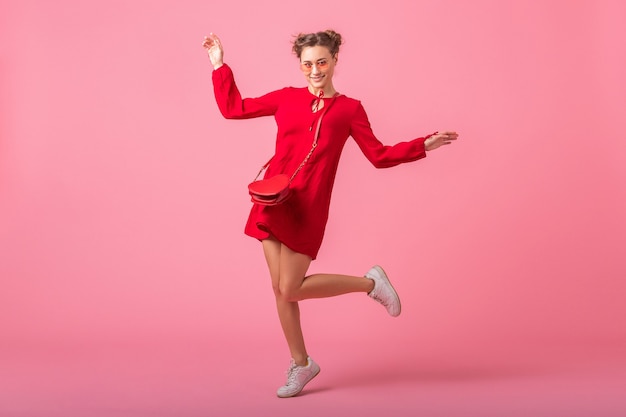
(307, 66)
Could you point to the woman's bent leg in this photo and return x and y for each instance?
(295, 286)
(290, 284)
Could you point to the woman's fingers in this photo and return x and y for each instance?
(211, 41)
(440, 139)
(208, 42)
(447, 137)
(450, 135)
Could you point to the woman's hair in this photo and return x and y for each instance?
(328, 38)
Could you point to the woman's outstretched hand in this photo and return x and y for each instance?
(213, 45)
(439, 139)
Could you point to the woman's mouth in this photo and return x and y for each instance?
(316, 77)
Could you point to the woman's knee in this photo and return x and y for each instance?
(289, 273)
(276, 289)
(287, 290)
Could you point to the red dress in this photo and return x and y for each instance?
(299, 223)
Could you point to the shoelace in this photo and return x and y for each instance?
(291, 373)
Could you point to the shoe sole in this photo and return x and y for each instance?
(383, 275)
(304, 385)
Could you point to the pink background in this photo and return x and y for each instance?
(129, 289)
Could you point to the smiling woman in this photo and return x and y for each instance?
(318, 56)
(292, 232)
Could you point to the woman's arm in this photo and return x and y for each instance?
(385, 156)
(229, 100)
(227, 95)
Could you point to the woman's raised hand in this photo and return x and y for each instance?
(439, 139)
(214, 48)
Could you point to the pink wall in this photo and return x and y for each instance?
(122, 190)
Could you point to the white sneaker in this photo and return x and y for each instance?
(383, 292)
(297, 377)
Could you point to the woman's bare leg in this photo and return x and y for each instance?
(288, 312)
(293, 285)
(288, 271)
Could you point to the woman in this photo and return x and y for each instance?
(291, 233)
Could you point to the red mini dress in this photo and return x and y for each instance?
(299, 222)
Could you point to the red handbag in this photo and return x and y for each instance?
(270, 191)
(275, 190)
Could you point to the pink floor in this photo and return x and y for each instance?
(186, 377)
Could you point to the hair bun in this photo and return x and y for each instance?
(334, 36)
(328, 38)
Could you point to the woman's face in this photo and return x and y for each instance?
(318, 66)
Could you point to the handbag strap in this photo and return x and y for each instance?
(313, 146)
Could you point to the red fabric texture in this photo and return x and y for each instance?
(299, 223)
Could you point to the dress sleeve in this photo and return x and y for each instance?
(383, 156)
(229, 100)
